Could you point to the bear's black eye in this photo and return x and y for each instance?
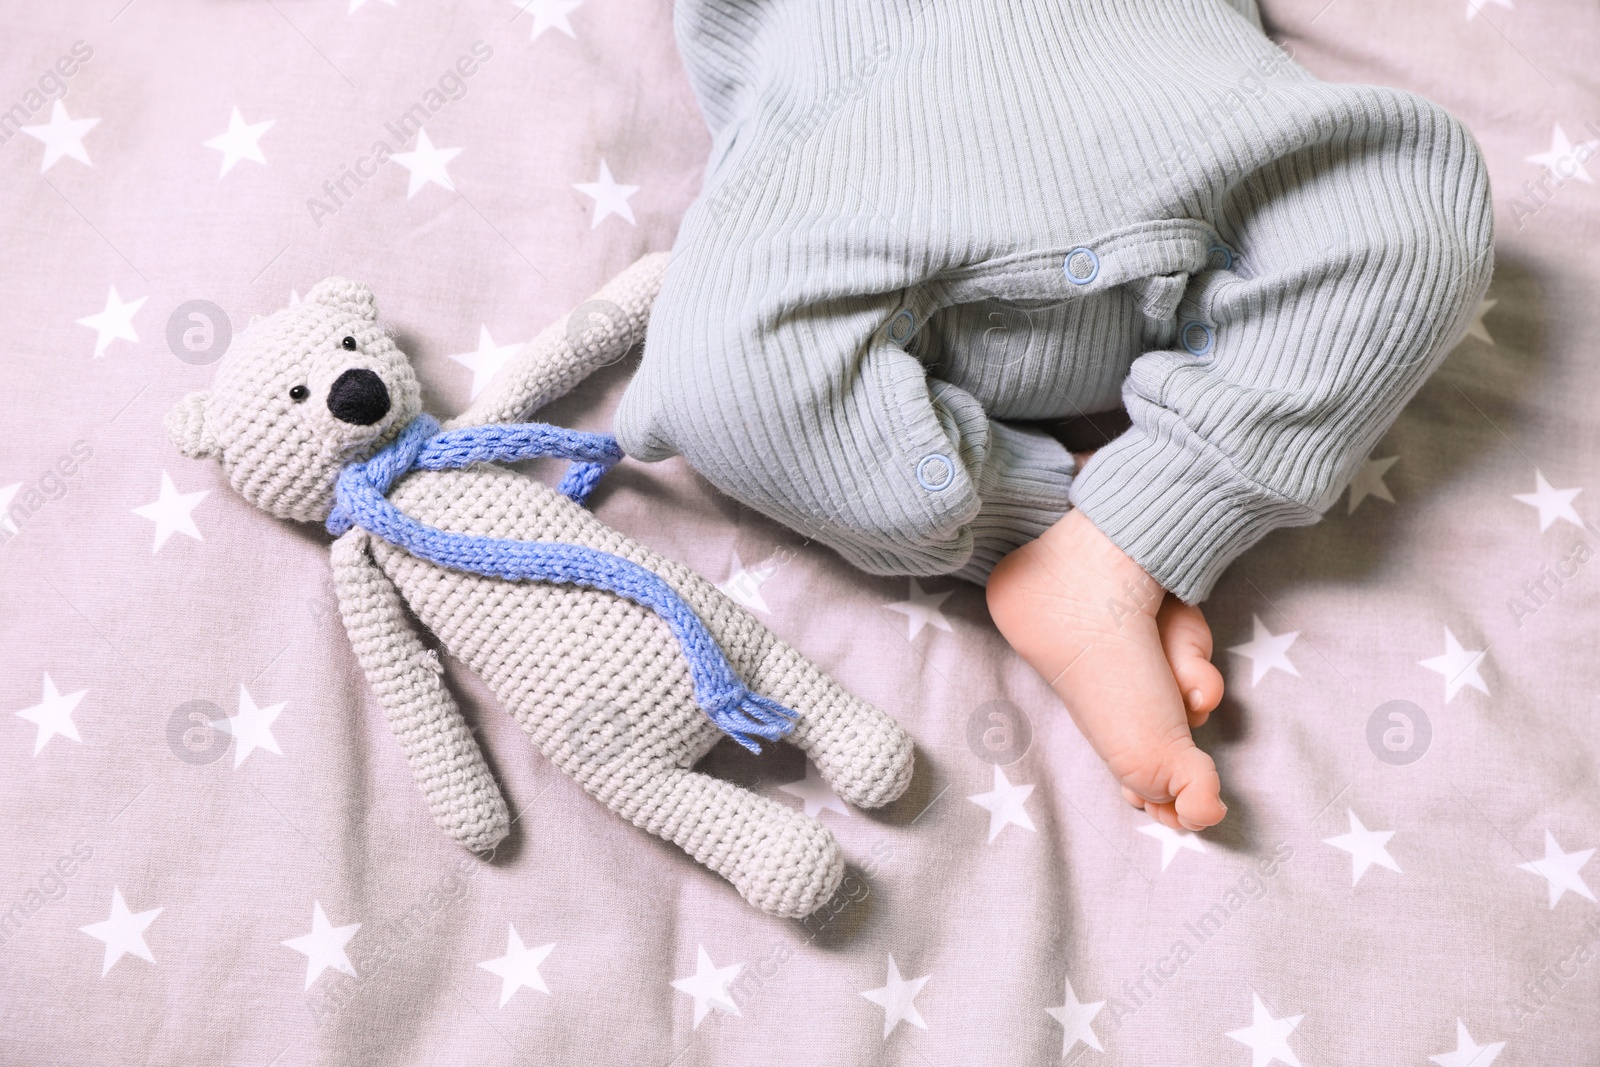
(349, 344)
(298, 393)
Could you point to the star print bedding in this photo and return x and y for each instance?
(213, 851)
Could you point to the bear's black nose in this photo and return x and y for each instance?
(358, 396)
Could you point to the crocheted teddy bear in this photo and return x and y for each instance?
(624, 668)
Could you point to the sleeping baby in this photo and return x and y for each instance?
(928, 228)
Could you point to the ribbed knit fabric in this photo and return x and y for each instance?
(927, 223)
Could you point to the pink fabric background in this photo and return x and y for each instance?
(1381, 972)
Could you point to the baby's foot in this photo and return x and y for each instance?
(1131, 663)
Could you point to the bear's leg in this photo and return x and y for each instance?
(864, 754)
(778, 860)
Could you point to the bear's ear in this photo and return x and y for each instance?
(186, 425)
(346, 295)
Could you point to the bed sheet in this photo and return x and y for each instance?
(1409, 740)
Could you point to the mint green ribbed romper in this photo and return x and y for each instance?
(926, 224)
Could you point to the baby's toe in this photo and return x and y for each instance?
(1164, 814)
(1196, 790)
(1186, 641)
(1202, 690)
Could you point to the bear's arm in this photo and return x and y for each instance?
(444, 757)
(598, 332)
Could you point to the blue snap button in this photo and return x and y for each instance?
(1197, 337)
(935, 472)
(1081, 266)
(1222, 250)
(901, 327)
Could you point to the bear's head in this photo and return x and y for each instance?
(299, 394)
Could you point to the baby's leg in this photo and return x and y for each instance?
(1131, 665)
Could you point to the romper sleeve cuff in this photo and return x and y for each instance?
(1177, 506)
(1023, 488)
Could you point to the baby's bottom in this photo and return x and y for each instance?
(1131, 662)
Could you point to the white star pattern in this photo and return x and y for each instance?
(62, 136)
(240, 141)
(173, 512)
(486, 362)
(1005, 805)
(426, 164)
(53, 715)
(141, 785)
(1369, 482)
(1561, 869)
(115, 323)
(1171, 841)
(548, 15)
(1478, 329)
(122, 932)
(743, 586)
(1468, 1053)
(324, 946)
(1459, 667)
(1266, 651)
(610, 198)
(1553, 503)
(897, 997)
(519, 967)
(1366, 847)
(1076, 1018)
(251, 728)
(708, 985)
(922, 609)
(815, 793)
(1563, 150)
(1267, 1037)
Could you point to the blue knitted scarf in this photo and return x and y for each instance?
(360, 501)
